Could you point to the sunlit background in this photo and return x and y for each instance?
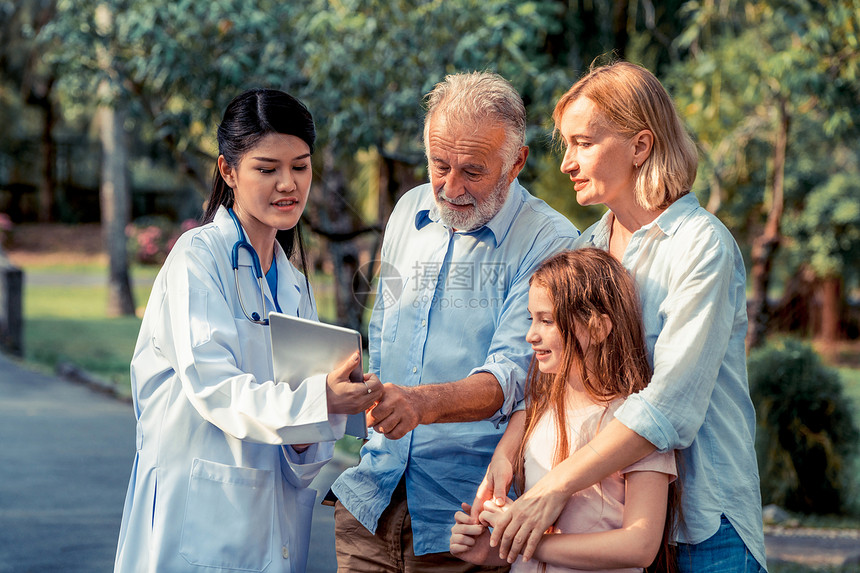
(108, 112)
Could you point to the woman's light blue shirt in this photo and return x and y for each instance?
(691, 281)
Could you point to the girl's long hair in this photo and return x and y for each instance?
(585, 285)
(250, 117)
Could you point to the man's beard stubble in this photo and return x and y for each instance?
(473, 218)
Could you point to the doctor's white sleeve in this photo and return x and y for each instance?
(202, 339)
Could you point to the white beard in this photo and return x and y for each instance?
(482, 212)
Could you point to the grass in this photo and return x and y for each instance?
(65, 321)
(851, 384)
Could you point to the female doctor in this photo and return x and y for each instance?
(225, 455)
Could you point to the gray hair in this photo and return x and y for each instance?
(472, 98)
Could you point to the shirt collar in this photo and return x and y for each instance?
(498, 226)
(668, 221)
(226, 226)
(675, 214)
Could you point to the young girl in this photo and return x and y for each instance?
(223, 463)
(589, 354)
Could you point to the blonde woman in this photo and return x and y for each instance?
(626, 148)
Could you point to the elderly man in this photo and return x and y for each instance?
(451, 346)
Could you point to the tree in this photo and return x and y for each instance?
(368, 65)
(363, 67)
(827, 242)
(806, 437)
(21, 63)
(758, 71)
(149, 63)
(114, 191)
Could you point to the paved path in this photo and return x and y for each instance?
(65, 458)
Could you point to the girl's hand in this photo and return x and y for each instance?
(470, 541)
(521, 525)
(492, 509)
(347, 397)
(495, 486)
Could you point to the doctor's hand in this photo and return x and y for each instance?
(347, 397)
(397, 413)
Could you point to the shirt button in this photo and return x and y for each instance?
(423, 323)
(285, 552)
(414, 369)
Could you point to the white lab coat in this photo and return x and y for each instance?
(212, 488)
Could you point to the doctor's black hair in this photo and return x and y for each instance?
(250, 117)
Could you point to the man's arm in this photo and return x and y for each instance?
(402, 408)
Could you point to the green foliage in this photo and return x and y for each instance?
(363, 66)
(176, 64)
(369, 63)
(827, 231)
(806, 433)
(758, 69)
(747, 59)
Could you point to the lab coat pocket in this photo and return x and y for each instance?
(228, 517)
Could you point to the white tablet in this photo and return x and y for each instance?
(302, 348)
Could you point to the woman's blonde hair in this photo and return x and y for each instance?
(632, 100)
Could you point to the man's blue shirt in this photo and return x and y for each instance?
(450, 304)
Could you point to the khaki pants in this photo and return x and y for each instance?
(390, 549)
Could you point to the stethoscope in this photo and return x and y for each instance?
(241, 244)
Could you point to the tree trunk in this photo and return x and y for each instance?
(829, 295)
(764, 246)
(337, 223)
(40, 95)
(796, 312)
(116, 209)
(715, 199)
(620, 16)
(115, 187)
(49, 158)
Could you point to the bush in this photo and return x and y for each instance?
(151, 238)
(806, 435)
